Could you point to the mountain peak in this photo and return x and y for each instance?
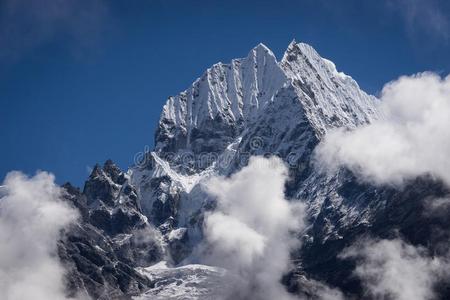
(261, 48)
(219, 105)
(214, 110)
(260, 57)
(296, 50)
(291, 45)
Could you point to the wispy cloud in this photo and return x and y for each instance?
(424, 16)
(26, 25)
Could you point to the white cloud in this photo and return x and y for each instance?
(412, 140)
(31, 218)
(393, 269)
(251, 233)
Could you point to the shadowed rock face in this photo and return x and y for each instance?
(252, 106)
(113, 237)
(103, 248)
(388, 214)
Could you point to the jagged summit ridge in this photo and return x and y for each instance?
(227, 97)
(330, 98)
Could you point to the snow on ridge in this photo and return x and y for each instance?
(331, 99)
(334, 70)
(239, 91)
(235, 92)
(186, 181)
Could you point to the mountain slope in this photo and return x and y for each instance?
(251, 106)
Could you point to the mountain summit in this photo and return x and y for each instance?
(229, 98)
(139, 228)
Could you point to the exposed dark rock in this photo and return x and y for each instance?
(101, 250)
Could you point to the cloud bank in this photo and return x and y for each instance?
(31, 218)
(413, 138)
(251, 233)
(393, 269)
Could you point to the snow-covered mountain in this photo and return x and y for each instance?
(256, 105)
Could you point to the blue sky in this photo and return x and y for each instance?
(84, 81)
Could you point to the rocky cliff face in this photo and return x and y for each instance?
(251, 106)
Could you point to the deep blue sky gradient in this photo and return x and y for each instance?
(70, 99)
